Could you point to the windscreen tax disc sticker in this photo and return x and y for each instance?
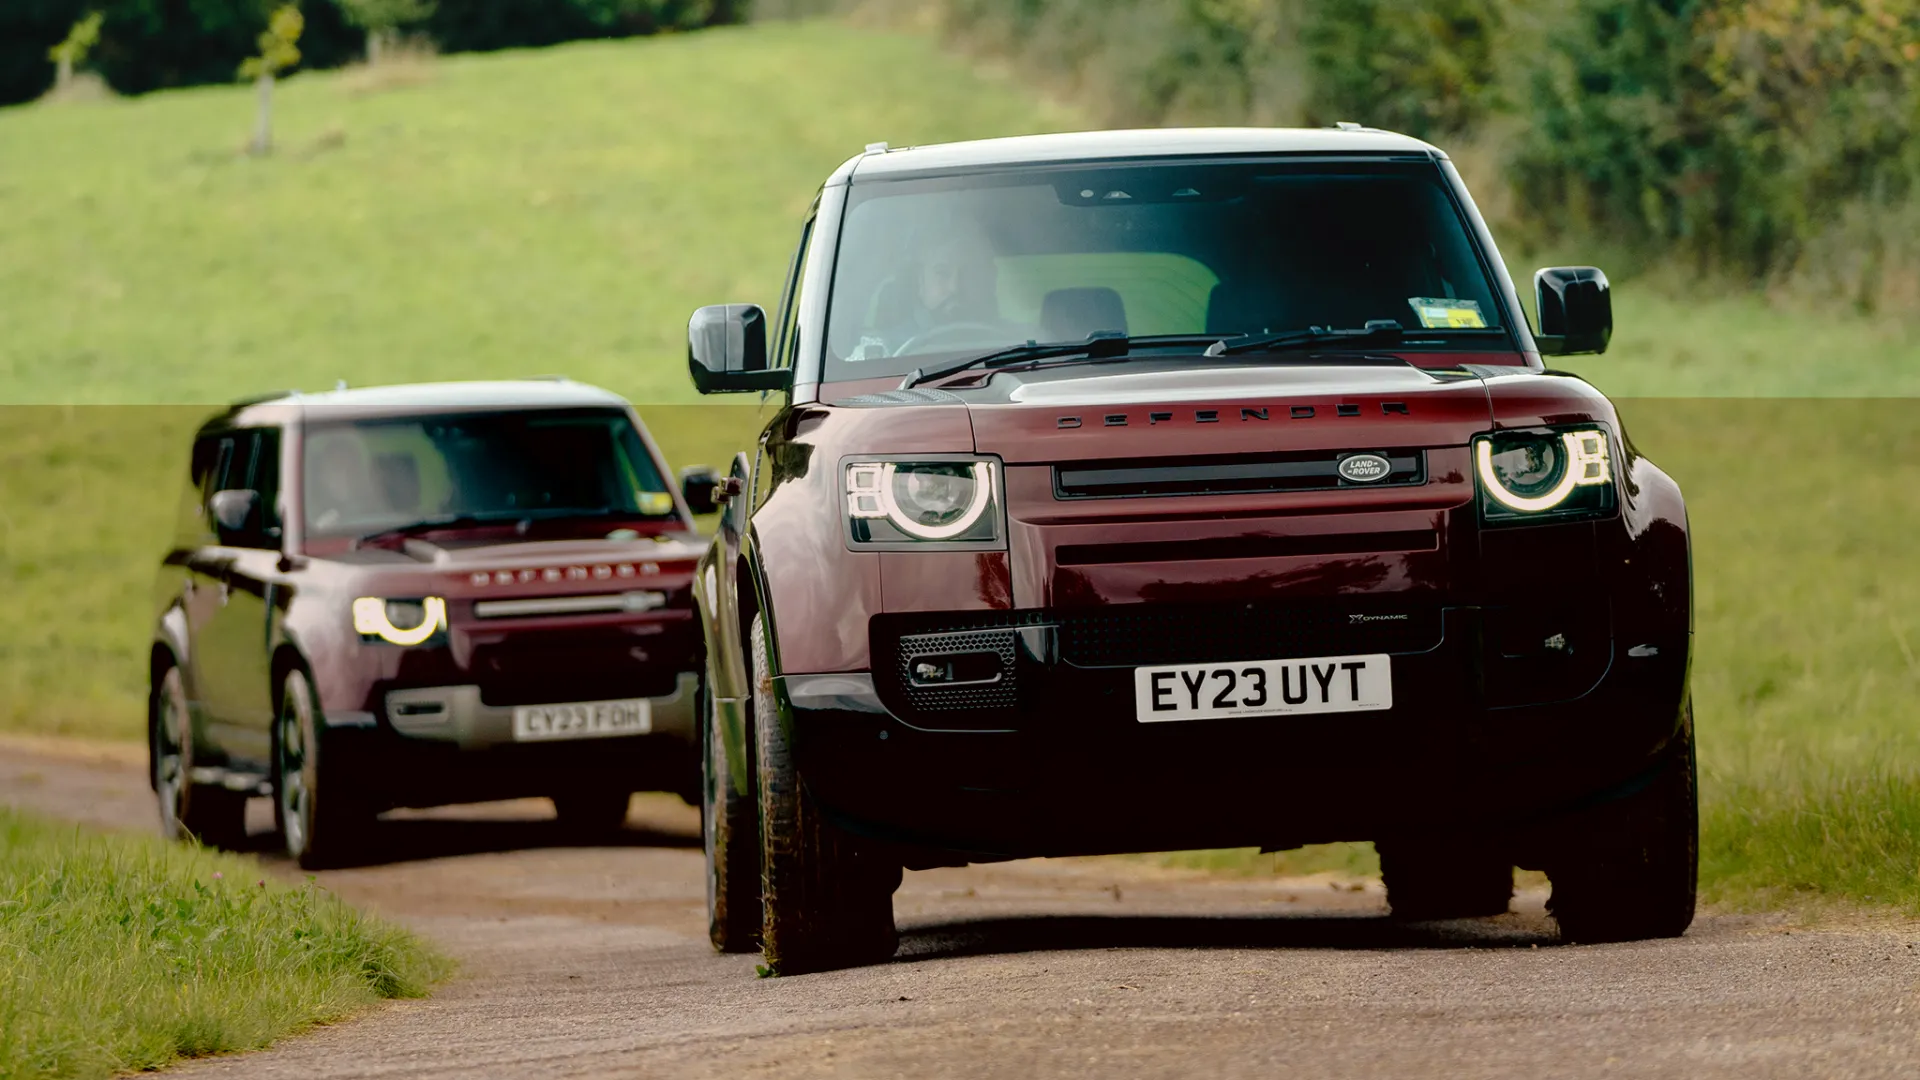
(1441, 313)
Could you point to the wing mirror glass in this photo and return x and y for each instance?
(727, 351)
(697, 486)
(1576, 310)
(232, 510)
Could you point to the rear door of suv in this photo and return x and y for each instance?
(232, 644)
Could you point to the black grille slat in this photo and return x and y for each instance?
(1311, 471)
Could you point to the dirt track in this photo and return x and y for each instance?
(591, 962)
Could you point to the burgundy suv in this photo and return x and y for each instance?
(417, 595)
(1155, 490)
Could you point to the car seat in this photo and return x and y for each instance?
(1077, 314)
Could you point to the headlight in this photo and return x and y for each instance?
(1541, 474)
(400, 622)
(915, 503)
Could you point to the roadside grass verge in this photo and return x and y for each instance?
(122, 952)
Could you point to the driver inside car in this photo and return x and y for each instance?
(950, 287)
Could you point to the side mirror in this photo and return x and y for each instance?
(727, 351)
(232, 510)
(697, 485)
(1576, 310)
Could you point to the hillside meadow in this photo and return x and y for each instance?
(563, 211)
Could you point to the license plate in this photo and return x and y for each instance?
(1319, 684)
(582, 720)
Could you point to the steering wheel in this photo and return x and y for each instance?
(944, 331)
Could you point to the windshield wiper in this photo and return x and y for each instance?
(520, 519)
(1376, 331)
(1101, 345)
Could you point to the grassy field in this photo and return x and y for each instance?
(563, 210)
(125, 952)
(553, 211)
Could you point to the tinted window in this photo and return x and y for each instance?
(370, 475)
(936, 268)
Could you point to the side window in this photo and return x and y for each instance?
(786, 347)
(264, 478)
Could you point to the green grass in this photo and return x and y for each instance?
(553, 211)
(124, 952)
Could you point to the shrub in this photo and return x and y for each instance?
(1424, 67)
(1735, 131)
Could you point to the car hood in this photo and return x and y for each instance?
(1235, 408)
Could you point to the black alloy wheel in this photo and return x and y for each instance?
(826, 899)
(1629, 870)
(207, 813)
(321, 820)
(730, 831)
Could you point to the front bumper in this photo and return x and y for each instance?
(1478, 739)
(457, 714)
(438, 745)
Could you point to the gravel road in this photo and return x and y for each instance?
(592, 962)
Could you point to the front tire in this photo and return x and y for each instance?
(826, 899)
(211, 815)
(1629, 870)
(322, 821)
(730, 829)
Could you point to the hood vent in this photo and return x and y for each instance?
(1228, 475)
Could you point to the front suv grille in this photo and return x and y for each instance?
(1306, 471)
(537, 668)
(1042, 648)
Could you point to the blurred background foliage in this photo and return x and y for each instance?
(156, 44)
(1774, 142)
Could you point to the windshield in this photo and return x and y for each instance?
(943, 268)
(370, 475)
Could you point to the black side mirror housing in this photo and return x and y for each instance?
(1576, 310)
(232, 511)
(727, 351)
(697, 485)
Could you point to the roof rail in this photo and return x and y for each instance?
(545, 378)
(256, 399)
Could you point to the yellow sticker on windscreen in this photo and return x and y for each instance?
(1442, 313)
(655, 502)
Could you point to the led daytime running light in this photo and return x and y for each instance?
(870, 495)
(370, 619)
(1587, 464)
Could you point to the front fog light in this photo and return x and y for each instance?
(1525, 474)
(400, 622)
(916, 501)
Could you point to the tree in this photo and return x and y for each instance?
(70, 53)
(278, 52)
(382, 20)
